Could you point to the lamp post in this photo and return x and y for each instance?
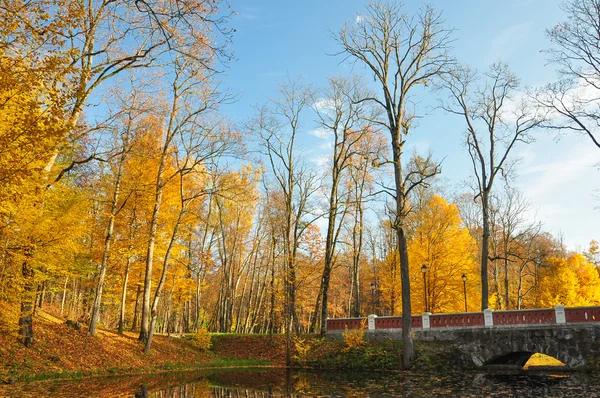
(373, 297)
(464, 278)
(424, 271)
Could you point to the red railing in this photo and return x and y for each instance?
(417, 321)
(395, 322)
(525, 317)
(582, 314)
(456, 320)
(388, 322)
(346, 323)
(545, 316)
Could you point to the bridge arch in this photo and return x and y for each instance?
(520, 359)
(572, 345)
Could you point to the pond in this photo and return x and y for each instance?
(279, 382)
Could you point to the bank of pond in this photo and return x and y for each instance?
(261, 382)
(68, 362)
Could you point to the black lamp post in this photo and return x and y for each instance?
(373, 297)
(424, 271)
(464, 278)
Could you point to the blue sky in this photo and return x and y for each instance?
(275, 38)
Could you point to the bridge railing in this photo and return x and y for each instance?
(582, 314)
(345, 323)
(525, 317)
(456, 320)
(487, 318)
(395, 322)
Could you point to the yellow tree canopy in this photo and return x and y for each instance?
(571, 282)
(442, 243)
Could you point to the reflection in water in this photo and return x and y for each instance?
(405, 384)
(255, 383)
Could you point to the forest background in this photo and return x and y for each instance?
(129, 199)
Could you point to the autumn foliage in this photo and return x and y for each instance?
(129, 203)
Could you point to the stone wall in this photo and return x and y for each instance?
(573, 344)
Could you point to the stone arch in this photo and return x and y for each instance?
(517, 358)
(516, 352)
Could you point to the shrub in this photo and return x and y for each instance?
(202, 339)
(302, 348)
(355, 338)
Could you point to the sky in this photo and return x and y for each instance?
(275, 38)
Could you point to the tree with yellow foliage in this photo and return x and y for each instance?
(571, 281)
(441, 242)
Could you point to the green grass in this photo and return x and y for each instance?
(233, 362)
(72, 375)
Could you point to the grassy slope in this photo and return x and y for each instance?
(61, 351)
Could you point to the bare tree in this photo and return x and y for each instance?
(341, 113)
(130, 110)
(402, 52)
(277, 127)
(574, 101)
(193, 135)
(512, 238)
(494, 126)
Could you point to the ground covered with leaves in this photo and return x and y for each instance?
(62, 351)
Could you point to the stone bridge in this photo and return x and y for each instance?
(571, 335)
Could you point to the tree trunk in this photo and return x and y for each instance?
(506, 292)
(124, 297)
(484, 251)
(329, 243)
(144, 328)
(108, 238)
(42, 295)
(27, 299)
(136, 309)
(357, 250)
(407, 339)
(62, 302)
(163, 277)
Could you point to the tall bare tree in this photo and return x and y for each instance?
(348, 119)
(278, 127)
(125, 127)
(511, 240)
(190, 133)
(574, 101)
(403, 52)
(494, 126)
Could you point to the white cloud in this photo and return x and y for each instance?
(320, 133)
(321, 161)
(560, 180)
(326, 146)
(324, 105)
(552, 176)
(508, 40)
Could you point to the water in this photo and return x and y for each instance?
(251, 383)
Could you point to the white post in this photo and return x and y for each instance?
(425, 317)
(559, 311)
(371, 321)
(488, 317)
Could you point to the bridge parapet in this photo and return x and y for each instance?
(525, 317)
(456, 320)
(582, 314)
(543, 316)
(341, 324)
(395, 322)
